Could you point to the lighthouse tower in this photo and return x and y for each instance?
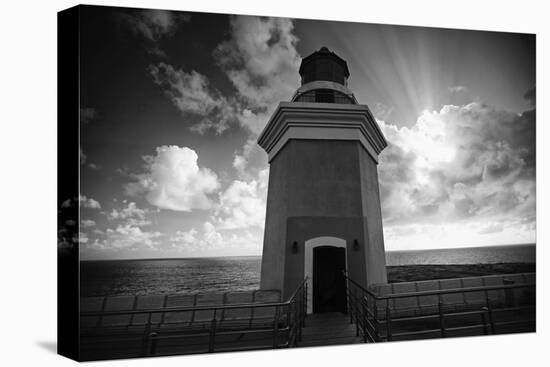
(323, 204)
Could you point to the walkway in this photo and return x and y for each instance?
(331, 328)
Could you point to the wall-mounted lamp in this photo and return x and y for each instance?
(294, 247)
(355, 245)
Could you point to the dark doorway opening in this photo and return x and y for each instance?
(329, 284)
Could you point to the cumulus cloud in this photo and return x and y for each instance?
(236, 225)
(243, 203)
(172, 179)
(125, 232)
(83, 238)
(152, 25)
(250, 160)
(129, 236)
(131, 214)
(261, 61)
(208, 240)
(83, 201)
(192, 94)
(456, 234)
(87, 223)
(459, 164)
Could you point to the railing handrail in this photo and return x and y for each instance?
(455, 290)
(439, 291)
(198, 307)
(364, 309)
(182, 309)
(359, 285)
(285, 325)
(300, 286)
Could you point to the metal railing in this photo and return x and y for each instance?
(376, 319)
(281, 322)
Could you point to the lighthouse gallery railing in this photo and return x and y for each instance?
(376, 320)
(280, 326)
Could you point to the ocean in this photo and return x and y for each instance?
(192, 275)
(471, 255)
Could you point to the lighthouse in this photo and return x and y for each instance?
(323, 204)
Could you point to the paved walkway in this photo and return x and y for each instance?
(331, 328)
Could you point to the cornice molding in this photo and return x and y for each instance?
(322, 121)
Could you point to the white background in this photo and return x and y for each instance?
(28, 182)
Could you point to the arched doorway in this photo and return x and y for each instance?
(325, 258)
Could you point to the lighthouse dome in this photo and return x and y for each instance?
(324, 79)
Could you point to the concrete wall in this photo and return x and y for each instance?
(375, 254)
(274, 249)
(301, 229)
(322, 188)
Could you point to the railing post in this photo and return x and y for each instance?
(351, 301)
(441, 316)
(484, 321)
(132, 315)
(298, 320)
(365, 304)
(362, 317)
(388, 321)
(276, 326)
(146, 347)
(304, 311)
(356, 312)
(489, 312)
(290, 325)
(299, 313)
(212, 336)
(100, 318)
(152, 347)
(509, 293)
(163, 306)
(376, 325)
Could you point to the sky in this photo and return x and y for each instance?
(172, 104)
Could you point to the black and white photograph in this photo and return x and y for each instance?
(251, 182)
(274, 183)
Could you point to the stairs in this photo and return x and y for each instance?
(330, 328)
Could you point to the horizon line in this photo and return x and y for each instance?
(225, 256)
